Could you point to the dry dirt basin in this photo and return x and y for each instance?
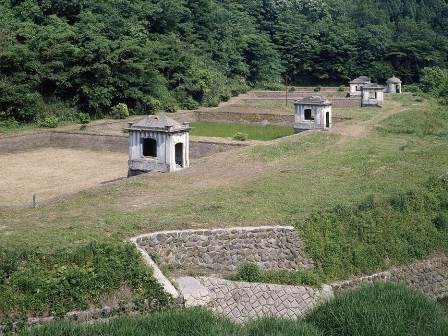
(52, 172)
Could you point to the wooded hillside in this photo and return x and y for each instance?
(69, 56)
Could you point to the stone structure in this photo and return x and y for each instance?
(393, 85)
(158, 143)
(242, 301)
(357, 84)
(372, 95)
(313, 112)
(429, 277)
(222, 251)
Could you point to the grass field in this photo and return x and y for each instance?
(254, 132)
(266, 184)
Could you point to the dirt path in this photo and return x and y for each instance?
(358, 129)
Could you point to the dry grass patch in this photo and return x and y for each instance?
(51, 172)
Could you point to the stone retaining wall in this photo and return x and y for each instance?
(91, 141)
(223, 250)
(24, 142)
(430, 277)
(245, 118)
(96, 142)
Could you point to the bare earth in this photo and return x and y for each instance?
(50, 172)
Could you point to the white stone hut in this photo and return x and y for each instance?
(158, 143)
(357, 84)
(393, 85)
(372, 95)
(313, 112)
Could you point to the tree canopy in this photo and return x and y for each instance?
(69, 56)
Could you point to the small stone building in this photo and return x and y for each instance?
(357, 84)
(393, 85)
(158, 143)
(372, 95)
(313, 112)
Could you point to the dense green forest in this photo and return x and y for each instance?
(63, 57)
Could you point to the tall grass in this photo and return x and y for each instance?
(380, 310)
(379, 232)
(254, 132)
(374, 311)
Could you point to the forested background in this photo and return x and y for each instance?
(69, 56)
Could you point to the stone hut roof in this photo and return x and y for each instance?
(394, 80)
(313, 100)
(159, 123)
(372, 86)
(361, 80)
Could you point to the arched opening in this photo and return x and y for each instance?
(149, 147)
(309, 114)
(179, 154)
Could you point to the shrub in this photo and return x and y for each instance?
(317, 89)
(341, 88)
(84, 118)
(152, 105)
(241, 136)
(190, 104)
(382, 310)
(441, 221)
(9, 123)
(414, 88)
(250, 272)
(49, 122)
(72, 279)
(120, 111)
(292, 89)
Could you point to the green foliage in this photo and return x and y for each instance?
(49, 122)
(382, 310)
(120, 111)
(240, 131)
(435, 81)
(341, 88)
(84, 118)
(441, 221)
(240, 136)
(317, 89)
(377, 233)
(154, 55)
(251, 272)
(32, 282)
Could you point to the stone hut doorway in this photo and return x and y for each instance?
(149, 147)
(327, 120)
(179, 154)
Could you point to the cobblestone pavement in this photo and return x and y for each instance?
(242, 301)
